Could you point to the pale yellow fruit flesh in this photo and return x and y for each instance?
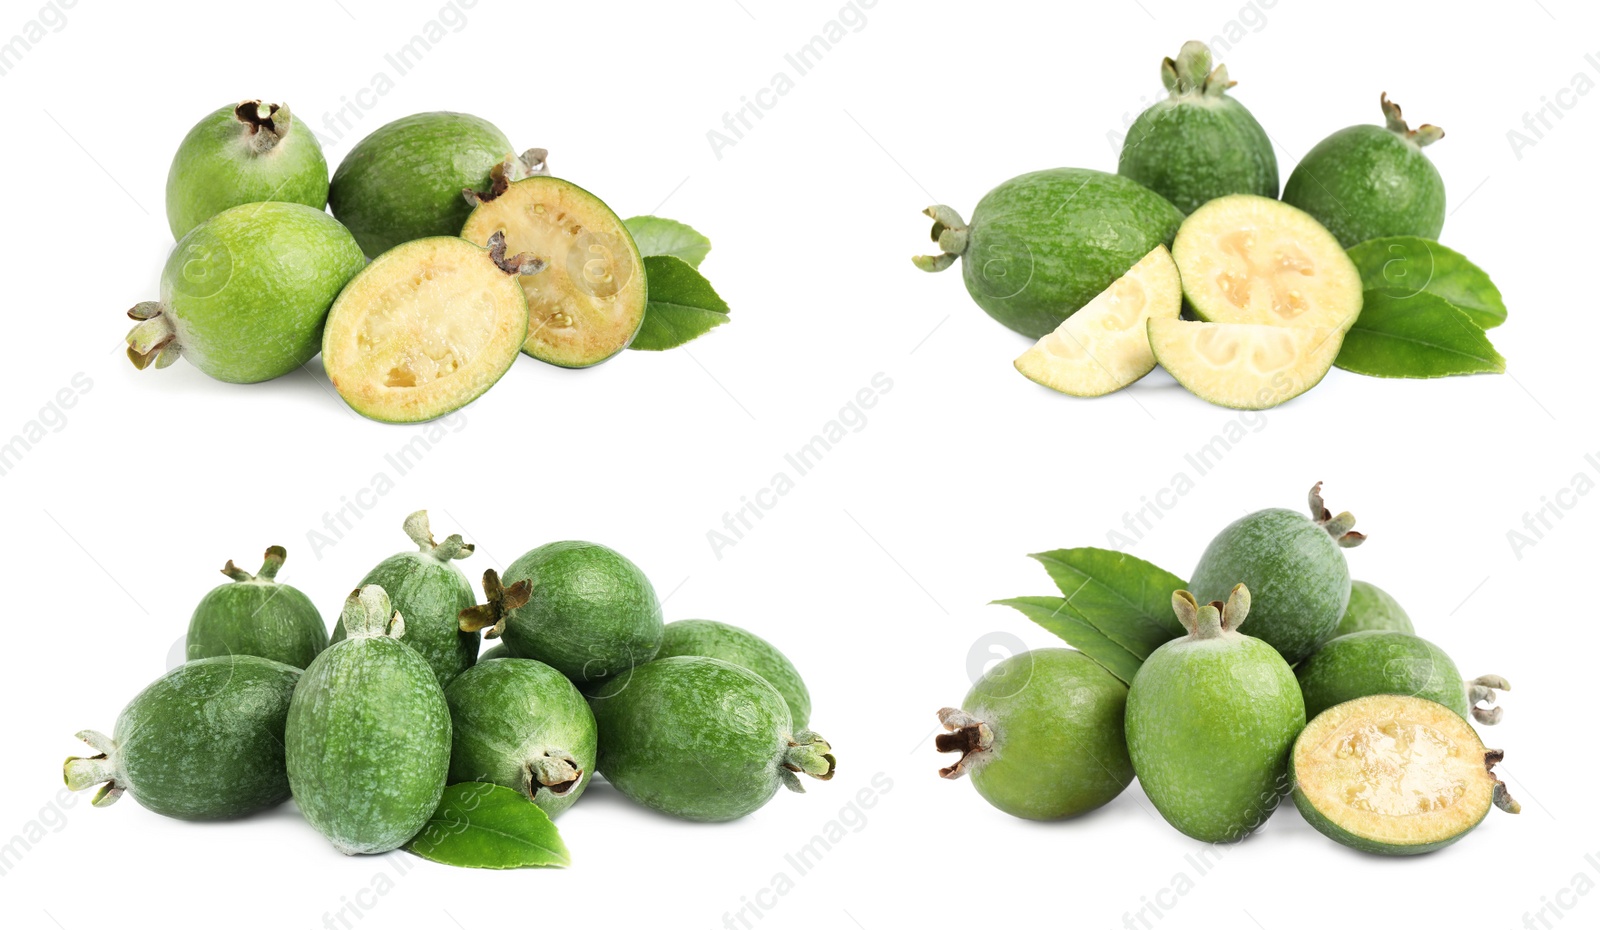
(1104, 346)
(1250, 259)
(425, 328)
(589, 301)
(1242, 365)
(1400, 772)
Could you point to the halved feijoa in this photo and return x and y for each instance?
(590, 300)
(1245, 366)
(1250, 259)
(1104, 347)
(426, 328)
(1394, 775)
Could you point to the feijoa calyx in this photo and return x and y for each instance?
(1294, 567)
(745, 649)
(204, 742)
(247, 152)
(588, 301)
(257, 615)
(702, 739)
(1041, 735)
(1210, 721)
(1199, 143)
(1395, 775)
(367, 740)
(1388, 662)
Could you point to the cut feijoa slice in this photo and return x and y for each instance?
(590, 301)
(1250, 259)
(1246, 366)
(1394, 775)
(427, 327)
(1104, 346)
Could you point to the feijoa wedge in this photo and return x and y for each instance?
(1251, 259)
(1243, 365)
(1395, 775)
(590, 300)
(427, 328)
(1105, 346)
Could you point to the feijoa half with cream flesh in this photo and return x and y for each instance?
(204, 742)
(1244, 366)
(427, 328)
(247, 152)
(589, 301)
(256, 615)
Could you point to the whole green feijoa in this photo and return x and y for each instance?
(244, 294)
(743, 648)
(1298, 578)
(430, 592)
(243, 153)
(1042, 245)
(1210, 721)
(1042, 735)
(522, 724)
(204, 742)
(256, 615)
(1372, 608)
(1365, 182)
(368, 735)
(702, 739)
(579, 606)
(406, 180)
(1387, 662)
(1199, 143)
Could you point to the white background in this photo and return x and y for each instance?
(874, 571)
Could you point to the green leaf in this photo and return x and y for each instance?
(1126, 598)
(483, 826)
(1419, 336)
(683, 305)
(1404, 265)
(655, 235)
(1057, 616)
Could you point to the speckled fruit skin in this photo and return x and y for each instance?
(693, 737)
(1380, 662)
(1059, 741)
(745, 649)
(515, 719)
(257, 616)
(227, 160)
(591, 612)
(1298, 579)
(204, 742)
(405, 180)
(368, 741)
(1372, 608)
(1210, 723)
(1366, 182)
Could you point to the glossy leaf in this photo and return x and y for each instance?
(1400, 266)
(483, 826)
(1416, 336)
(656, 235)
(1126, 598)
(1057, 616)
(683, 305)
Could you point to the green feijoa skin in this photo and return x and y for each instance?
(406, 180)
(1386, 662)
(368, 735)
(745, 649)
(1372, 608)
(522, 724)
(1365, 182)
(578, 606)
(1042, 245)
(1295, 569)
(245, 294)
(1395, 775)
(702, 739)
(1210, 721)
(256, 615)
(1199, 143)
(247, 152)
(204, 742)
(428, 590)
(1041, 735)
